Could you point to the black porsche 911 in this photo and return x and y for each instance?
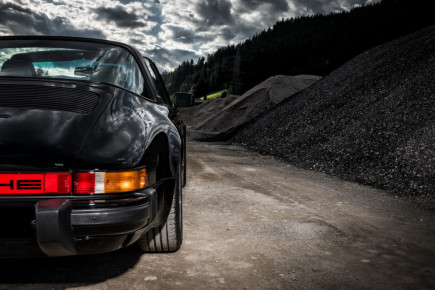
(92, 152)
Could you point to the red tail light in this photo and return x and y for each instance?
(110, 182)
(35, 183)
(61, 182)
(84, 183)
(58, 183)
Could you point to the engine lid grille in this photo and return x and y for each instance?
(48, 97)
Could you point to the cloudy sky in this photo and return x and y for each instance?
(169, 31)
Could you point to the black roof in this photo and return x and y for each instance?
(128, 47)
(62, 38)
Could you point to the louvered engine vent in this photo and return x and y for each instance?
(51, 98)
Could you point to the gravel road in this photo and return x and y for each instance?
(253, 222)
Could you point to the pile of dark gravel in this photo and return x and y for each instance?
(204, 110)
(215, 122)
(371, 121)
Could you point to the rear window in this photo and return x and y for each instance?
(94, 62)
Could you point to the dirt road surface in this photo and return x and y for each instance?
(251, 222)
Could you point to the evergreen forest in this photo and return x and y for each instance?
(315, 44)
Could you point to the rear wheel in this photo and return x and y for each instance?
(167, 237)
(184, 164)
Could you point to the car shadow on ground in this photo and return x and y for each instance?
(77, 270)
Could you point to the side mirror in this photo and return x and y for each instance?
(184, 99)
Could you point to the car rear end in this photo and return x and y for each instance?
(52, 201)
(65, 213)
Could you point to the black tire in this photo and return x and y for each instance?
(167, 237)
(184, 165)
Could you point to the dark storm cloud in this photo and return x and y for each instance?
(22, 21)
(143, 1)
(119, 16)
(277, 6)
(215, 12)
(198, 27)
(55, 2)
(324, 7)
(170, 58)
(183, 35)
(235, 22)
(155, 16)
(135, 41)
(227, 33)
(316, 6)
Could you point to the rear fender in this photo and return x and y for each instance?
(159, 159)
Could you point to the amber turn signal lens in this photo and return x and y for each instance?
(125, 181)
(110, 182)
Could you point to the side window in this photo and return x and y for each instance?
(161, 90)
(136, 83)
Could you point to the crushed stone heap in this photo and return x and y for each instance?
(224, 122)
(371, 120)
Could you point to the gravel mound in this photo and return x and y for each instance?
(222, 123)
(371, 121)
(205, 110)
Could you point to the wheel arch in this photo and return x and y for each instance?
(161, 160)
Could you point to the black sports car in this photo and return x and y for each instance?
(92, 153)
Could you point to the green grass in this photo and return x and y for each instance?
(216, 95)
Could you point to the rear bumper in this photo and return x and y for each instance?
(62, 230)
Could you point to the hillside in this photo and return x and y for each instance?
(372, 120)
(315, 45)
